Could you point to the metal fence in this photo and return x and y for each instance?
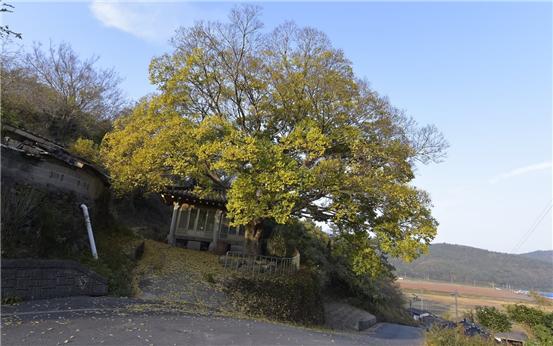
(261, 264)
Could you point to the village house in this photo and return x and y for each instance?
(30, 159)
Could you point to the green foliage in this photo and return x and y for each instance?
(292, 298)
(543, 335)
(492, 318)
(379, 295)
(87, 149)
(453, 337)
(525, 314)
(288, 131)
(539, 322)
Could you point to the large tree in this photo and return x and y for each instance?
(280, 120)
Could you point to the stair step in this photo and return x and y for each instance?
(343, 316)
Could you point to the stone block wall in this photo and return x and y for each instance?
(40, 279)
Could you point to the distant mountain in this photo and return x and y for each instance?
(465, 264)
(541, 255)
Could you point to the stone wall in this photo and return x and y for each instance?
(51, 174)
(40, 279)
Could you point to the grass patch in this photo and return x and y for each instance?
(115, 262)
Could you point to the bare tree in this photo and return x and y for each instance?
(73, 96)
(81, 87)
(5, 31)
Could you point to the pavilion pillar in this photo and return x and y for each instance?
(172, 229)
(216, 226)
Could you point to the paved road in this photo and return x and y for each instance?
(107, 323)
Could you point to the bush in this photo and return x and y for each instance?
(525, 314)
(294, 298)
(493, 319)
(378, 295)
(40, 224)
(116, 247)
(543, 335)
(454, 337)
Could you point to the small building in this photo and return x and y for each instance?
(33, 160)
(511, 338)
(418, 314)
(201, 223)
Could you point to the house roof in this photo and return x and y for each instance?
(33, 145)
(416, 311)
(513, 336)
(184, 193)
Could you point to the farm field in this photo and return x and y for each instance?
(446, 287)
(437, 297)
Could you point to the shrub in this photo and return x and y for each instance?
(115, 262)
(492, 318)
(453, 337)
(40, 224)
(548, 321)
(543, 335)
(525, 314)
(294, 298)
(276, 245)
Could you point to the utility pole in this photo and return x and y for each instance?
(456, 294)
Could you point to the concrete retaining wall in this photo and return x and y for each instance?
(40, 279)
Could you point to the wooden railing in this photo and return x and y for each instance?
(261, 264)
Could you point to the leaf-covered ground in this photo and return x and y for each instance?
(180, 275)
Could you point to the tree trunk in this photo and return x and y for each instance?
(252, 235)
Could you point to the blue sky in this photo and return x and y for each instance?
(481, 71)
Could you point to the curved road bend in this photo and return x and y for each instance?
(61, 323)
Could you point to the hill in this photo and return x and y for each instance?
(540, 255)
(464, 264)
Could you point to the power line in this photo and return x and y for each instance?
(536, 221)
(533, 227)
(531, 230)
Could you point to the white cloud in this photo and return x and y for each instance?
(521, 171)
(136, 19)
(149, 20)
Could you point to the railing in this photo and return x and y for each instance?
(261, 264)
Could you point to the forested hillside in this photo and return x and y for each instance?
(471, 265)
(540, 255)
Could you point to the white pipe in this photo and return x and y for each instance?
(89, 230)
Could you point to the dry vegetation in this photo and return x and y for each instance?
(446, 287)
(195, 281)
(437, 297)
(174, 274)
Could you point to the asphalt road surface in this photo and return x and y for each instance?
(107, 322)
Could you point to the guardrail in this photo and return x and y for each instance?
(261, 264)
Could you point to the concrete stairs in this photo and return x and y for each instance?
(341, 316)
